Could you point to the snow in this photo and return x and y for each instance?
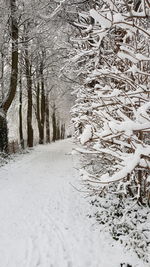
(88, 29)
(99, 18)
(111, 4)
(118, 17)
(83, 53)
(130, 162)
(43, 219)
(128, 126)
(141, 57)
(138, 14)
(142, 112)
(131, 57)
(53, 14)
(86, 135)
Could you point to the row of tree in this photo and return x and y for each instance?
(31, 55)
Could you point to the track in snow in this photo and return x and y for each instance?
(43, 220)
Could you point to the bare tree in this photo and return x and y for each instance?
(6, 103)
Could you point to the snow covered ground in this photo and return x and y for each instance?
(43, 219)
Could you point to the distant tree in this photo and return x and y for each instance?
(47, 117)
(54, 125)
(20, 113)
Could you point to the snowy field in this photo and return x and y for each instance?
(43, 219)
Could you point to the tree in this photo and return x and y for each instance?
(47, 118)
(6, 102)
(40, 40)
(54, 124)
(20, 113)
(28, 66)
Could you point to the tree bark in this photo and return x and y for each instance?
(54, 125)
(57, 130)
(3, 133)
(2, 76)
(38, 115)
(42, 122)
(29, 113)
(20, 114)
(13, 78)
(29, 94)
(41, 104)
(14, 57)
(62, 131)
(47, 119)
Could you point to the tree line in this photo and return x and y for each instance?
(29, 62)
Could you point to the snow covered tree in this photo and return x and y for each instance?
(40, 52)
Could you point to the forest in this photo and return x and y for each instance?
(75, 133)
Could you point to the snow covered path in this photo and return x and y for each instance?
(43, 220)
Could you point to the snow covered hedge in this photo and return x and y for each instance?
(112, 111)
(111, 116)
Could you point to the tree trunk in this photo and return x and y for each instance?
(54, 125)
(42, 105)
(62, 131)
(14, 57)
(13, 78)
(40, 112)
(29, 94)
(20, 114)
(57, 130)
(47, 119)
(29, 114)
(38, 115)
(2, 76)
(3, 133)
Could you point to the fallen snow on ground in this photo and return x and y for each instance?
(43, 219)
